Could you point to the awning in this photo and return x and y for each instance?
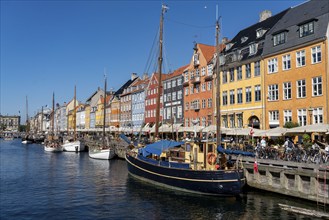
(157, 147)
(314, 128)
(275, 132)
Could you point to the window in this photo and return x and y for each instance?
(300, 58)
(306, 29)
(248, 94)
(287, 90)
(168, 84)
(209, 85)
(187, 122)
(231, 74)
(316, 54)
(203, 103)
(239, 95)
(179, 94)
(224, 122)
(279, 38)
(239, 73)
(301, 115)
(224, 77)
(186, 77)
(287, 116)
(186, 91)
(257, 93)
(179, 111)
(273, 92)
(192, 74)
(209, 103)
(164, 85)
(210, 69)
(317, 115)
(174, 96)
(232, 121)
(257, 68)
(196, 59)
(225, 98)
(197, 88)
(232, 97)
(317, 86)
(186, 106)
(168, 97)
(168, 113)
(173, 83)
(179, 81)
(286, 62)
(191, 89)
(272, 65)
(203, 71)
(240, 120)
(203, 87)
(252, 49)
(274, 117)
(248, 70)
(301, 88)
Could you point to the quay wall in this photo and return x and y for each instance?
(305, 181)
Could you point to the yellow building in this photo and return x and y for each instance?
(87, 119)
(296, 64)
(241, 75)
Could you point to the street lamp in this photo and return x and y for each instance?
(310, 112)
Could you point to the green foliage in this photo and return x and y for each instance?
(291, 124)
(22, 128)
(3, 127)
(306, 138)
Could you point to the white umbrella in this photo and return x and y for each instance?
(314, 128)
(274, 132)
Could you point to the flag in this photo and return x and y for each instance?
(251, 132)
(255, 166)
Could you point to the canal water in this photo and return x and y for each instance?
(41, 185)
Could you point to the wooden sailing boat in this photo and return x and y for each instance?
(194, 167)
(104, 152)
(74, 145)
(52, 142)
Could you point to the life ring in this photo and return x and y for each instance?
(211, 158)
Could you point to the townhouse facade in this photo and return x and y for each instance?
(173, 99)
(10, 123)
(151, 99)
(198, 87)
(296, 65)
(241, 75)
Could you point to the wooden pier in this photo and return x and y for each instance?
(305, 181)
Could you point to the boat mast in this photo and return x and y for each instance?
(74, 115)
(27, 118)
(218, 116)
(104, 106)
(53, 118)
(157, 112)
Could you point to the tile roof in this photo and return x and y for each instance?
(176, 72)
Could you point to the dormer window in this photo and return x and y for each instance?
(306, 29)
(228, 46)
(196, 59)
(252, 49)
(260, 32)
(244, 39)
(279, 38)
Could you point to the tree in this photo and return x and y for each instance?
(291, 124)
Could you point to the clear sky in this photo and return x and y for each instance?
(51, 46)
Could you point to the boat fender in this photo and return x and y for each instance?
(211, 158)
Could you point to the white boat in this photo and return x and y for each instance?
(102, 154)
(26, 142)
(105, 152)
(73, 146)
(52, 147)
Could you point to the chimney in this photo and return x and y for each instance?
(264, 15)
(133, 76)
(145, 76)
(224, 40)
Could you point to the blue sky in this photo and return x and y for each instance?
(51, 46)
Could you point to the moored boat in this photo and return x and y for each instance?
(73, 146)
(192, 167)
(53, 146)
(102, 154)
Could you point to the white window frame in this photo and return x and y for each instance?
(316, 54)
(287, 93)
(286, 62)
(273, 92)
(317, 115)
(272, 65)
(301, 117)
(317, 89)
(300, 58)
(287, 116)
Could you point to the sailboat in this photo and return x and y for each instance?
(52, 142)
(105, 152)
(74, 145)
(194, 167)
(25, 139)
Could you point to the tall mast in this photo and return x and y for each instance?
(218, 119)
(27, 117)
(105, 84)
(53, 118)
(157, 112)
(74, 115)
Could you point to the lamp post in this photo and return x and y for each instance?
(310, 112)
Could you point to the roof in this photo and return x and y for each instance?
(120, 90)
(207, 51)
(308, 11)
(158, 147)
(177, 72)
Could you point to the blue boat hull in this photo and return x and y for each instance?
(219, 182)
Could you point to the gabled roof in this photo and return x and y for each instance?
(317, 11)
(177, 72)
(249, 33)
(207, 51)
(128, 83)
